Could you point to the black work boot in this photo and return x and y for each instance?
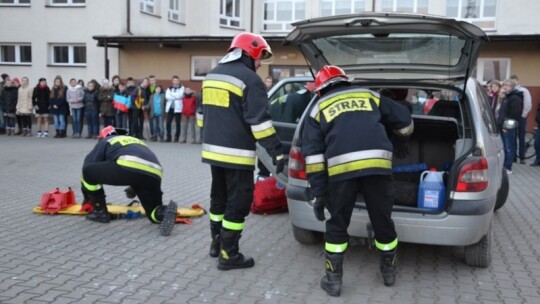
(100, 213)
(332, 280)
(389, 267)
(215, 230)
(166, 217)
(229, 257)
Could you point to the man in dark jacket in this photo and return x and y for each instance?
(121, 160)
(235, 117)
(347, 151)
(508, 119)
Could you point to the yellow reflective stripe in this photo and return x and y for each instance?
(239, 160)
(336, 248)
(216, 217)
(232, 225)
(153, 215)
(265, 133)
(139, 166)
(90, 187)
(224, 85)
(359, 165)
(126, 140)
(386, 247)
(216, 97)
(314, 168)
(359, 155)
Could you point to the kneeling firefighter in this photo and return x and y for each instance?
(347, 151)
(121, 160)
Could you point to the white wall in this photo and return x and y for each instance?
(41, 25)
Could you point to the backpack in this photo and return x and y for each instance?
(268, 198)
(56, 200)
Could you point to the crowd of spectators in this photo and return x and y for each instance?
(142, 107)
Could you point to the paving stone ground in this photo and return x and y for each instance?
(66, 259)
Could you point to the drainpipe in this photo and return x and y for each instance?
(252, 13)
(106, 60)
(128, 18)
(373, 5)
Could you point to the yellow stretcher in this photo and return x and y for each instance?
(194, 211)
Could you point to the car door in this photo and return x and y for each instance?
(287, 101)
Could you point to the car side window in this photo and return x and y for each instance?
(289, 102)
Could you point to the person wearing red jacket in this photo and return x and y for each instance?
(188, 116)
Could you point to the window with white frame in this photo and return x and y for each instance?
(149, 6)
(406, 6)
(15, 54)
(201, 65)
(229, 13)
(279, 14)
(341, 7)
(481, 13)
(14, 2)
(176, 10)
(67, 2)
(68, 54)
(492, 68)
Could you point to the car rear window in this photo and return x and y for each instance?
(398, 48)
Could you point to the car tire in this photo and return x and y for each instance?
(479, 254)
(502, 193)
(307, 237)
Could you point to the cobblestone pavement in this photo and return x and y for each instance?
(66, 259)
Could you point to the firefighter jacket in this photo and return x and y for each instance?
(234, 116)
(345, 137)
(128, 152)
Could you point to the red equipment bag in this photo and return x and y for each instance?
(56, 200)
(268, 198)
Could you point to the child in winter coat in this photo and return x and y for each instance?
(40, 100)
(8, 99)
(157, 111)
(91, 109)
(74, 96)
(188, 116)
(24, 106)
(59, 107)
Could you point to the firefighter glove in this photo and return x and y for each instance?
(401, 149)
(318, 208)
(279, 162)
(130, 193)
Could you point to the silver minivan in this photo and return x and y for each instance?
(427, 62)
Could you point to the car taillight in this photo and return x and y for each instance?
(473, 176)
(297, 164)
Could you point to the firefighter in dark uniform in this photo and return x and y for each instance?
(121, 160)
(347, 151)
(234, 117)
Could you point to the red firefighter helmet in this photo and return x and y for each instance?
(108, 130)
(254, 45)
(327, 75)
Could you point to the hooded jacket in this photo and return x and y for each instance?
(105, 97)
(511, 107)
(74, 97)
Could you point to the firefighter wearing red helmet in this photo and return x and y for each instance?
(234, 117)
(121, 160)
(347, 150)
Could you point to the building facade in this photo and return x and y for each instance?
(87, 39)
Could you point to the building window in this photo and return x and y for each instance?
(341, 7)
(481, 13)
(279, 14)
(176, 10)
(67, 2)
(14, 2)
(201, 65)
(149, 6)
(279, 72)
(68, 55)
(229, 13)
(492, 68)
(15, 54)
(406, 6)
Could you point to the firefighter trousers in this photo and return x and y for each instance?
(145, 185)
(378, 191)
(231, 196)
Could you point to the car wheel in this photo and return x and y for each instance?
(305, 236)
(502, 193)
(479, 254)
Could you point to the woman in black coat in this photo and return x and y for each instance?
(59, 106)
(40, 100)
